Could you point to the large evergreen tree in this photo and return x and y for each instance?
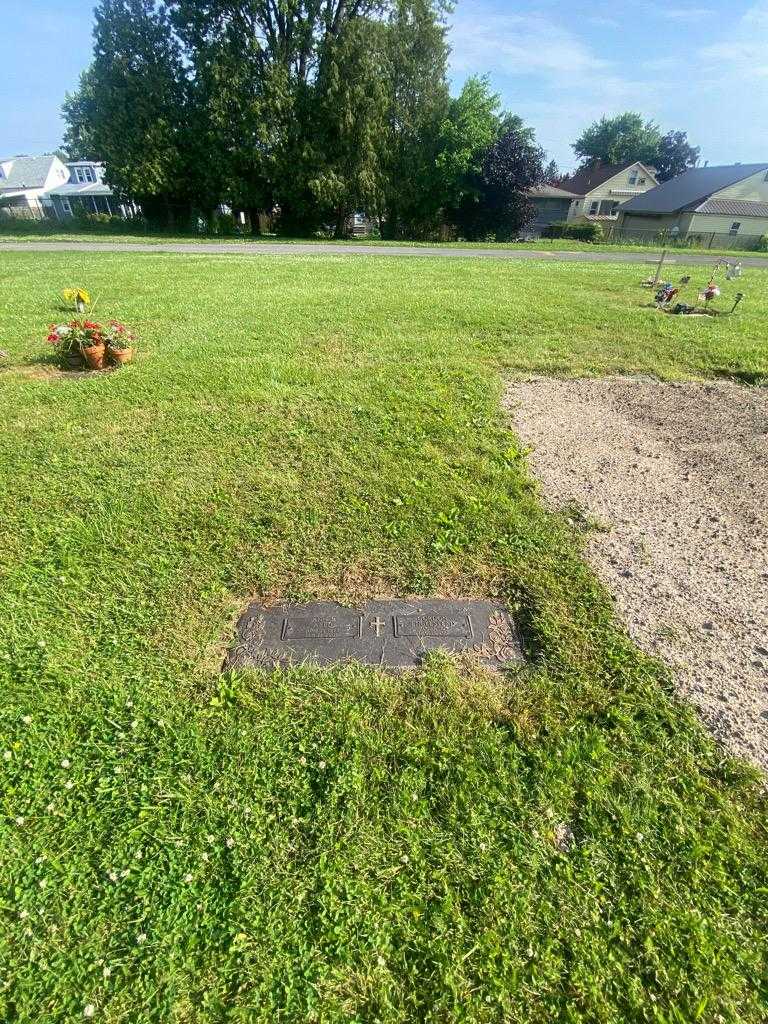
(316, 108)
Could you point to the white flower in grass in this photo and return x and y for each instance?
(210, 839)
(321, 766)
(42, 883)
(112, 876)
(134, 723)
(65, 763)
(381, 961)
(107, 971)
(141, 938)
(26, 719)
(68, 784)
(20, 821)
(230, 842)
(205, 857)
(302, 760)
(88, 1010)
(49, 808)
(23, 915)
(188, 877)
(404, 858)
(7, 755)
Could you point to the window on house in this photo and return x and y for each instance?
(633, 178)
(84, 175)
(641, 181)
(593, 208)
(66, 207)
(735, 227)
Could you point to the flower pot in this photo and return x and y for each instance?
(95, 356)
(121, 356)
(73, 361)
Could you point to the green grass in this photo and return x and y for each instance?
(540, 244)
(178, 846)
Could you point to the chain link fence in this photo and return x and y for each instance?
(695, 240)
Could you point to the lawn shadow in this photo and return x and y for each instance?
(754, 378)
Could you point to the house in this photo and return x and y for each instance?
(731, 200)
(85, 191)
(552, 204)
(601, 189)
(25, 182)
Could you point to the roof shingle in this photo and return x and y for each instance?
(27, 172)
(691, 188)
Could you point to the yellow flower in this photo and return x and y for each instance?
(76, 295)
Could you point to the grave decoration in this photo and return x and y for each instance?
(667, 295)
(86, 342)
(390, 634)
(78, 296)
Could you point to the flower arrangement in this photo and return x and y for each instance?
(93, 342)
(118, 337)
(120, 342)
(78, 296)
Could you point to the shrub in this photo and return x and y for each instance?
(583, 231)
(762, 244)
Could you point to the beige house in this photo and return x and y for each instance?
(730, 200)
(601, 189)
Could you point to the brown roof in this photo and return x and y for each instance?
(551, 192)
(734, 207)
(588, 178)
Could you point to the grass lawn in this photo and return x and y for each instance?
(540, 244)
(322, 846)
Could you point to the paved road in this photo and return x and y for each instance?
(326, 249)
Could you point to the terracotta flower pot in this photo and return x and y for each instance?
(121, 356)
(95, 356)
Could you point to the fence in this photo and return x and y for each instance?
(697, 240)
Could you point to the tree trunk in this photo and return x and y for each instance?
(253, 217)
(341, 224)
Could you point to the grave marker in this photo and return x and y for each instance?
(392, 634)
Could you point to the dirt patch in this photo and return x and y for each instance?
(678, 473)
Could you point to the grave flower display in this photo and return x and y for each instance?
(78, 296)
(91, 341)
(119, 342)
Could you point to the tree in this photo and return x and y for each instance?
(473, 124)
(78, 111)
(501, 206)
(625, 138)
(675, 155)
(350, 117)
(552, 173)
(417, 56)
(131, 108)
(618, 140)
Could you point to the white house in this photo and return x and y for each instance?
(34, 187)
(25, 182)
(85, 191)
(601, 189)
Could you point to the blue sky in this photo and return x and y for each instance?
(698, 66)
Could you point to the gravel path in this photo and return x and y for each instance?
(679, 474)
(330, 249)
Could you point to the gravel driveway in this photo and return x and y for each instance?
(679, 474)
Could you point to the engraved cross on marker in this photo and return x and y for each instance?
(378, 625)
